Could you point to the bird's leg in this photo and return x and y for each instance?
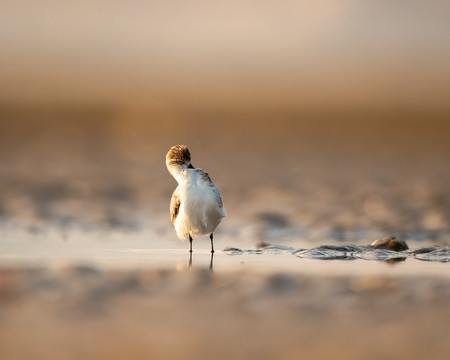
(190, 243)
(211, 261)
(212, 245)
(190, 260)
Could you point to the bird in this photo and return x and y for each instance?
(196, 207)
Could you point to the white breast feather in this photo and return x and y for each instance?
(201, 207)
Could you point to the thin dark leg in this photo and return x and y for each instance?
(190, 260)
(211, 262)
(212, 244)
(190, 243)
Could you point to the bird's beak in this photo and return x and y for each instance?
(191, 167)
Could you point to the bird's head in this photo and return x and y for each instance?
(178, 157)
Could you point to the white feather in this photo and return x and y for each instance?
(201, 208)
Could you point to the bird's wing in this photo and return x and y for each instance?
(175, 203)
(207, 179)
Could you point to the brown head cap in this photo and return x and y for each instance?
(178, 155)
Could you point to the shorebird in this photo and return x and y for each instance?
(196, 207)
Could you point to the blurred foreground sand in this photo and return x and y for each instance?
(83, 312)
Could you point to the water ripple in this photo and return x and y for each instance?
(351, 252)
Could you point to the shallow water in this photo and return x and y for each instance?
(266, 305)
(140, 294)
(146, 251)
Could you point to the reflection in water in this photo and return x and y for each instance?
(211, 261)
(395, 260)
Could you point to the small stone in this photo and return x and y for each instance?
(389, 243)
(262, 245)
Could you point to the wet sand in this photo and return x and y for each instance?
(90, 265)
(83, 311)
(343, 176)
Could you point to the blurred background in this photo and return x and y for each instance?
(321, 120)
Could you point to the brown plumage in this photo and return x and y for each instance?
(178, 154)
(174, 206)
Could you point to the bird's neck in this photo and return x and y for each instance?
(181, 173)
